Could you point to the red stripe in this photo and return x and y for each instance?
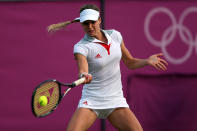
(107, 47)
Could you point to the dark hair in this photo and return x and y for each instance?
(89, 6)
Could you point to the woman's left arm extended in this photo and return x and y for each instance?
(134, 63)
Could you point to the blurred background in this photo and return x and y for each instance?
(162, 101)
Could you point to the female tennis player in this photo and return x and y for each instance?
(98, 55)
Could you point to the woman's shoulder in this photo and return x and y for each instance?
(112, 32)
(82, 42)
(115, 35)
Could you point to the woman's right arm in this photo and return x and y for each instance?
(83, 67)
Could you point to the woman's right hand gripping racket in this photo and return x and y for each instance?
(48, 95)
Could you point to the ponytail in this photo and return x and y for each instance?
(58, 26)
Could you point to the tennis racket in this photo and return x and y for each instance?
(52, 90)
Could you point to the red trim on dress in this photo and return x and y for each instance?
(107, 47)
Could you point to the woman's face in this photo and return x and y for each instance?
(92, 28)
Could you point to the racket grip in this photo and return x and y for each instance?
(79, 81)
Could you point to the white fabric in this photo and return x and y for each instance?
(103, 113)
(89, 14)
(105, 89)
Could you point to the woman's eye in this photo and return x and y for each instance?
(85, 23)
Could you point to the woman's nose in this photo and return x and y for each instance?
(90, 25)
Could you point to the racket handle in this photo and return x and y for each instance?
(79, 81)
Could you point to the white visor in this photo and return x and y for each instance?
(89, 14)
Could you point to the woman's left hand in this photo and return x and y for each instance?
(157, 62)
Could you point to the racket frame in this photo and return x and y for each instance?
(61, 95)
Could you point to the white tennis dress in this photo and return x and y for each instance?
(105, 89)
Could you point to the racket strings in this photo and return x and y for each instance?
(51, 91)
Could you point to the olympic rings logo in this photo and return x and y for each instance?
(170, 33)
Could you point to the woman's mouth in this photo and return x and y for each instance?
(90, 31)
